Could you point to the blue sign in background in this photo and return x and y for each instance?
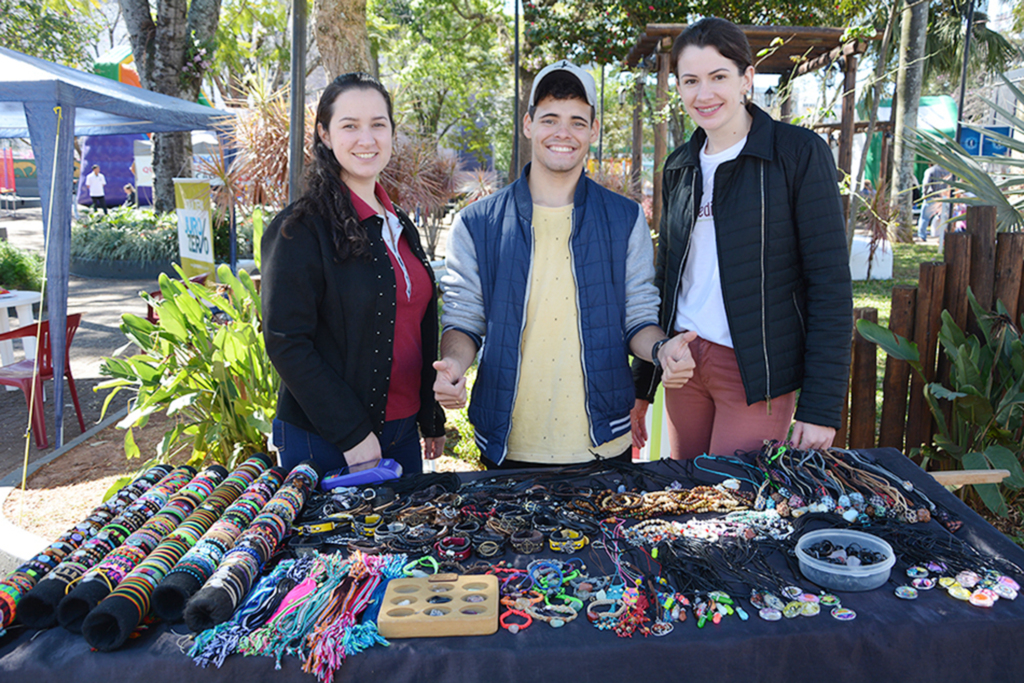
(982, 145)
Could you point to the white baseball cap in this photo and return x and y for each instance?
(585, 79)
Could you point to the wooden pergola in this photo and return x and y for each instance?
(803, 50)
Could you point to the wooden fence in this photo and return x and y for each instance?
(987, 262)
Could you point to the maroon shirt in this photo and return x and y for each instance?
(407, 354)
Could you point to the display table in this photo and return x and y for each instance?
(934, 638)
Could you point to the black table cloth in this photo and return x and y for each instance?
(934, 638)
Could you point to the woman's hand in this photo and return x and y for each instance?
(807, 436)
(676, 360)
(637, 421)
(433, 447)
(363, 455)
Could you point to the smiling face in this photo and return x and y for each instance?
(360, 135)
(561, 132)
(713, 89)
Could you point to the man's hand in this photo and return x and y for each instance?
(363, 455)
(433, 447)
(450, 385)
(638, 423)
(677, 362)
(807, 436)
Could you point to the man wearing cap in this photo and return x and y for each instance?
(552, 280)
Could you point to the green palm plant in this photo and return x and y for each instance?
(985, 425)
(209, 371)
(977, 185)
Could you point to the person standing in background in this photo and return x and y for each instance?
(97, 184)
(933, 189)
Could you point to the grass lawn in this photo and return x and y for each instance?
(877, 294)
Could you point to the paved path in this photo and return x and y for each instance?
(101, 303)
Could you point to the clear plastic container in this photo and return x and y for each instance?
(839, 577)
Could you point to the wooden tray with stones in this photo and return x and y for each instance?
(440, 605)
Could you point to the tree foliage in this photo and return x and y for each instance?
(252, 39)
(603, 31)
(57, 35)
(448, 62)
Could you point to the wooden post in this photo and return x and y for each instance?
(897, 372)
(883, 161)
(863, 380)
(927, 320)
(842, 434)
(981, 226)
(636, 172)
(786, 107)
(847, 121)
(957, 251)
(1009, 262)
(660, 133)
(1020, 304)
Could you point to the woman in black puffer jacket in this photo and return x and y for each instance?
(753, 257)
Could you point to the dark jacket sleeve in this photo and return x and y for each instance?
(292, 288)
(824, 260)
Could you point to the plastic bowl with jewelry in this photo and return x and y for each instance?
(840, 567)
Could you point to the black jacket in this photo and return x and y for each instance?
(783, 262)
(329, 330)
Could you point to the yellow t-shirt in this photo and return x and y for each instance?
(549, 419)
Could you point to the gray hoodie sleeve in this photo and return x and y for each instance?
(642, 299)
(460, 286)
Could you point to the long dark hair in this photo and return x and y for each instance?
(326, 194)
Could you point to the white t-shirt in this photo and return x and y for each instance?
(700, 306)
(95, 182)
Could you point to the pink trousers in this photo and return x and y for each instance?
(710, 414)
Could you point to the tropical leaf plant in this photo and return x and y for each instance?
(977, 186)
(204, 364)
(985, 429)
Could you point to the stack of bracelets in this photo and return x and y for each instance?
(101, 580)
(25, 577)
(108, 626)
(240, 566)
(38, 609)
(199, 563)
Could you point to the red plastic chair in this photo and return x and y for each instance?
(20, 374)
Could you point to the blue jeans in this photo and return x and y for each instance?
(400, 441)
(928, 211)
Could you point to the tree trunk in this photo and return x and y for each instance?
(161, 49)
(341, 36)
(876, 96)
(525, 145)
(908, 93)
